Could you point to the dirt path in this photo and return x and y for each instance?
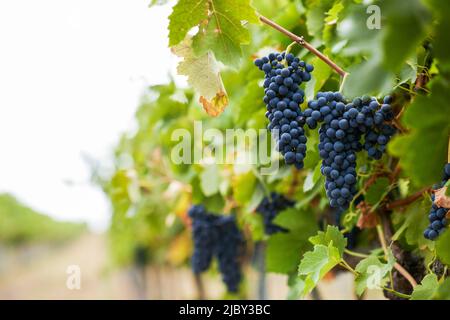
(44, 277)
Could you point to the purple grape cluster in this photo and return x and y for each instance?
(269, 209)
(437, 216)
(229, 250)
(216, 235)
(343, 126)
(204, 237)
(283, 75)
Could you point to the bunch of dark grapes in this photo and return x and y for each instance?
(343, 125)
(437, 216)
(269, 209)
(378, 132)
(229, 249)
(219, 236)
(283, 75)
(204, 237)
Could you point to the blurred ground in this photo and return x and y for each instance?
(40, 273)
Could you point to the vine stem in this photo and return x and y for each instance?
(341, 87)
(397, 265)
(382, 240)
(288, 50)
(200, 287)
(289, 47)
(305, 44)
(345, 265)
(408, 200)
(398, 294)
(356, 254)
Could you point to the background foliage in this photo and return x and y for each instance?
(407, 57)
(20, 225)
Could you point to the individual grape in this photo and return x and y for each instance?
(204, 237)
(269, 209)
(229, 249)
(438, 216)
(343, 125)
(283, 97)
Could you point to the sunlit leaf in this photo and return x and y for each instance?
(204, 76)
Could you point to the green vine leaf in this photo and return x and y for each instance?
(443, 247)
(321, 74)
(243, 186)
(186, 14)
(222, 31)
(377, 190)
(332, 235)
(426, 289)
(284, 250)
(204, 76)
(316, 264)
(406, 30)
(210, 180)
(415, 221)
(444, 290)
(332, 15)
(371, 272)
(423, 116)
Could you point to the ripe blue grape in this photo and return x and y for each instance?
(283, 96)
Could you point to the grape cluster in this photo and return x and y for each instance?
(269, 209)
(229, 249)
(204, 237)
(215, 235)
(343, 125)
(437, 216)
(283, 75)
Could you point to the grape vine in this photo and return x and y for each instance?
(360, 190)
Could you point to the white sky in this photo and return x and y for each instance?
(71, 75)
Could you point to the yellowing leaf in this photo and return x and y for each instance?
(243, 186)
(216, 105)
(204, 76)
(182, 204)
